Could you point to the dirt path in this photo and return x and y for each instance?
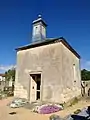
(25, 114)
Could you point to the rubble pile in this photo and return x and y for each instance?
(18, 102)
(84, 114)
(55, 117)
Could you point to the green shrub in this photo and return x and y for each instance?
(74, 101)
(77, 111)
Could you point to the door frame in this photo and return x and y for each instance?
(30, 85)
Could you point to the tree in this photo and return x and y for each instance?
(10, 74)
(85, 75)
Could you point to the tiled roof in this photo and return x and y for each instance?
(3, 75)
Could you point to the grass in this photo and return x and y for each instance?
(71, 102)
(74, 101)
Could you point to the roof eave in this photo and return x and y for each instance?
(60, 39)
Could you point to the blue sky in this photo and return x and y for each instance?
(67, 18)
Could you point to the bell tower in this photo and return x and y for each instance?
(39, 30)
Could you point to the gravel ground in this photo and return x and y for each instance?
(26, 114)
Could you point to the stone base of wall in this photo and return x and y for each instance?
(59, 96)
(66, 95)
(20, 91)
(70, 94)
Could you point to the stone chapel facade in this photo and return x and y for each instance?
(47, 69)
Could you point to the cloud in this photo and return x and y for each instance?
(7, 67)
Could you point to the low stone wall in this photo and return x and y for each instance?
(86, 87)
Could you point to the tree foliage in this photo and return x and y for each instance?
(10, 74)
(85, 75)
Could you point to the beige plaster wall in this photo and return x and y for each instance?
(71, 78)
(55, 63)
